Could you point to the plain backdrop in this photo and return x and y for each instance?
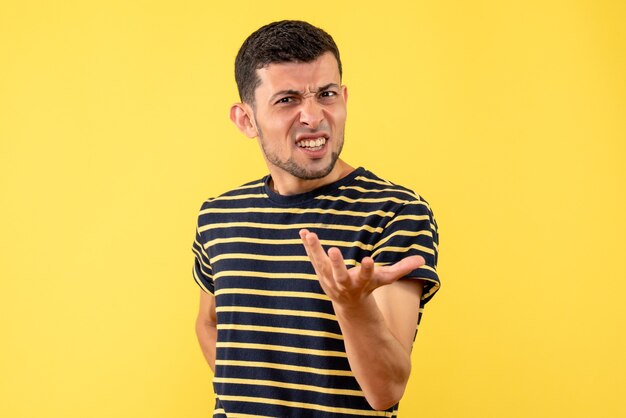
(507, 116)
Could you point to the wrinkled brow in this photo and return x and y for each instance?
(302, 93)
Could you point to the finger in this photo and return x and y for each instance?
(389, 274)
(314, 246)
(314, 250)
(307, 247)
(303, 233)
(338, 265)
(367, 270)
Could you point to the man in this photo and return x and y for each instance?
(312, 277)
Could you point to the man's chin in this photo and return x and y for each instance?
(306, 173)
(310, 174)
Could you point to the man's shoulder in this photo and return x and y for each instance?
(369, 183)
(251, 189)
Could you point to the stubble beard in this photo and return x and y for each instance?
(296, 170)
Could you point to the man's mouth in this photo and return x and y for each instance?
(312, 144)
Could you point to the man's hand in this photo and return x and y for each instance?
(378, 326)
(349, 287)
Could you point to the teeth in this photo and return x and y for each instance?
(312, 143)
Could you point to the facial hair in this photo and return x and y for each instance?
(293, 168)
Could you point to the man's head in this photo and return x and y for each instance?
(279, 42)
(294, 103)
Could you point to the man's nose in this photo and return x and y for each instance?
(311, 113)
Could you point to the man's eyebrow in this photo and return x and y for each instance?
(300, 93)
(285, 93)
(328, 86)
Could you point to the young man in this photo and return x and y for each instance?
(311, 277)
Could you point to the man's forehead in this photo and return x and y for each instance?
(295, 75)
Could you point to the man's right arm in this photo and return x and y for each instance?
(206, 327)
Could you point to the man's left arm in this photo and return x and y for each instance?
(377, 313)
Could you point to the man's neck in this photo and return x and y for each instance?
(288, 185)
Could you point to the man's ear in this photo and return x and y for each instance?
(241, 115)
(344, 91)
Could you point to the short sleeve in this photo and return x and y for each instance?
(202, 272)
(412, 231)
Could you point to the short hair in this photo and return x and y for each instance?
(277, 42)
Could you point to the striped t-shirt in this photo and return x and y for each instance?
(280, 351)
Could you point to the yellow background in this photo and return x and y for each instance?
(508, 116)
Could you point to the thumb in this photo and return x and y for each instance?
(401, 268)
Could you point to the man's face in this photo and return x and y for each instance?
(300, 114)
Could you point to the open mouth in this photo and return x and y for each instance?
(312, 144)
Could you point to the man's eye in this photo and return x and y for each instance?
(285, 100)
(328, 93)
